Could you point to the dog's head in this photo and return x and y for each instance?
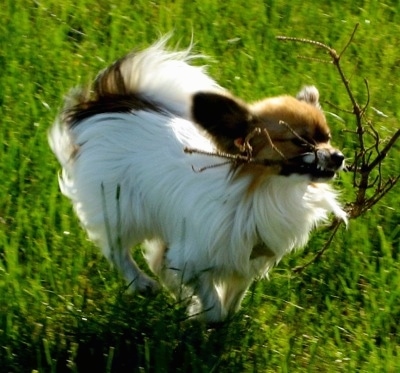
(293, 136)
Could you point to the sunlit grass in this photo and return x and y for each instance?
(61, 305)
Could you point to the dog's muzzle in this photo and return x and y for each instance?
(320, 165)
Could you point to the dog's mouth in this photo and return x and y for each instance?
(319, 166)
(314, 171)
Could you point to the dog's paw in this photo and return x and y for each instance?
(144, 285)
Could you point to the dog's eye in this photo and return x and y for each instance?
(306, 145)
(299, 142)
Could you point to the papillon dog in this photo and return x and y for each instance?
(216, 190)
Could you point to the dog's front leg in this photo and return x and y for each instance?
(232, 290)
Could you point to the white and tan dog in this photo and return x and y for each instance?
(121, 146)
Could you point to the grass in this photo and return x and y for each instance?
(61, 307)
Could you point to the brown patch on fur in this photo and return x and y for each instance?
(224, 117)
(308, 120)
(106, 104)
(228, 121)
(109, 94)
(261, 250)
(257, 173)
(273, 134)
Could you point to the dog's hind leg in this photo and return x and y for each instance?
(136, 279)
(185, 281)
(115, 233)
(119, 255)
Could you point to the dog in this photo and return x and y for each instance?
(215, 189)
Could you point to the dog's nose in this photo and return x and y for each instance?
(337, 158)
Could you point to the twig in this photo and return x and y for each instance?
(368, 158)
(307, 143)
(274, 148)
(245, 147)
(383, 153)
(302, 267)
(233, 159)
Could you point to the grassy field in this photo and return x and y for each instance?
(62, 309)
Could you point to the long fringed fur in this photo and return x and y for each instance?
(131, 182)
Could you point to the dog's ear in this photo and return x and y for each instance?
(310, 95)
(226, 119)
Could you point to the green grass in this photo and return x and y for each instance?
(63, 309)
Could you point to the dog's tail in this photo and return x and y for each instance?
(154, 79)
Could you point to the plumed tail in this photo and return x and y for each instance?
(155, 79)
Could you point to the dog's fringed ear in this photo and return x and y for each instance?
(310, 95)
(226, 119)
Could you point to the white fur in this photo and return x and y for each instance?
(199, 227)
(165, 78)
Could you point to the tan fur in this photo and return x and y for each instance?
(307, 120)
(302, 117)
(258, 174)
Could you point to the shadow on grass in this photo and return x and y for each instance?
(136, 334)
